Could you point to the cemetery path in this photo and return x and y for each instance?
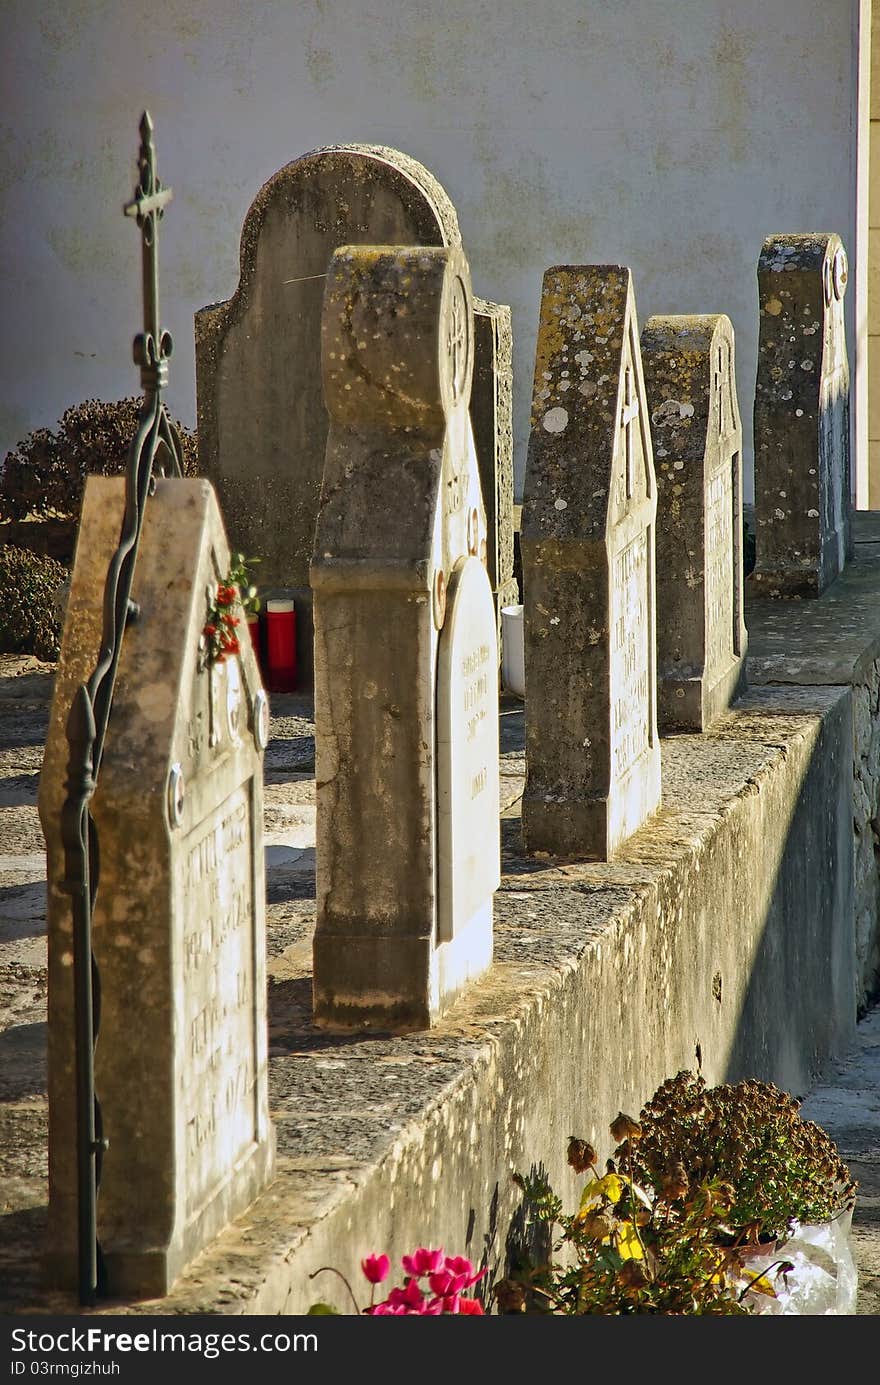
(369, 1098)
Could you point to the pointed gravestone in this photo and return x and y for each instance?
(492, 421)
(592, 750)
(179, 919)
(406, 666)
(701, 637)
(803, 504)
(262, 423)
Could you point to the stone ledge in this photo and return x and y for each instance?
(830, 640)
(708, 939)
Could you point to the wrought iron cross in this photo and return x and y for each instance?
(152, 347)
(89, 715)
(629, 413)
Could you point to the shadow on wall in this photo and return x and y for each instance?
(799, 1005)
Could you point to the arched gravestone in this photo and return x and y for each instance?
(179, 919)
(589, 508)
(803, 500)
(262, 424)
(690, 382)
(406, 665)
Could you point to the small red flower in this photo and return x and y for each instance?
(471, 1307)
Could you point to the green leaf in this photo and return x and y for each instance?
(322, 1310)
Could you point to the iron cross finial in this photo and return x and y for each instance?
(152, 347)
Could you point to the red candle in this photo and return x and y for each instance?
(281, 646)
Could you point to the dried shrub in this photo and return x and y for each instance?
(750, 1135)
(29, 619)
(627, 1249)
(45, 474)
(670, 1226)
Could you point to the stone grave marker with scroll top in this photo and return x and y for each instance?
(262, 422)
(592, 750)
(179, 919)
(406, 665)
(701, 637)
(803, 500)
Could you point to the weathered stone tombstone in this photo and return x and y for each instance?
(803, 501)
(406, 665)
(262, 424)
(701, 637)
(179, 918)
(492, 422)
(589, 508)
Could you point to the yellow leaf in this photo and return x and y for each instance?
(762, 1285)
(629, 1247)
(610, 1187)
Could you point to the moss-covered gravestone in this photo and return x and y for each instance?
(492, 420)
(262, 422)
(803, 502)
(589, 507)
(179, 918)
(690, 383)
(406, 666)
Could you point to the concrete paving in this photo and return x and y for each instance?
(846, 1102)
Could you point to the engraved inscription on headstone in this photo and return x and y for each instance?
(721, 632)
(592, 750)
(262, 421)
(803, 502)
(216, 904)
(179, 920)
(630, 655)
(406, 708)
(468, 829)
(701, 637)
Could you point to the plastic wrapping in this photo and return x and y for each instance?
(824, 1280)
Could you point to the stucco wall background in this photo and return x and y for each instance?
(671, 135)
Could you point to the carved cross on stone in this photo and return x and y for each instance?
(152, 347)
(629, 414)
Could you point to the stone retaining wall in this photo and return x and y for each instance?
(722, 936)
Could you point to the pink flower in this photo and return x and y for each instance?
(423, 1261)
(459, 1264)
(410, 1297)
(443, 1283)
(376, 1268)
